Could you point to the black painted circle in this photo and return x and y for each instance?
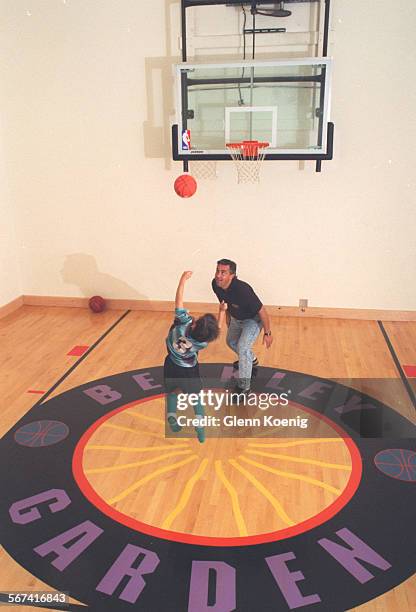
(381, 514)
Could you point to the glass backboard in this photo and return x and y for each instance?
(282, 102)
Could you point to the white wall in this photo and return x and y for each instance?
(88, 98)
(10, 281)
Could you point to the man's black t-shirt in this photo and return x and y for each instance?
(240, 298)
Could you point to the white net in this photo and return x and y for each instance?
(205, 170)
(247, 157)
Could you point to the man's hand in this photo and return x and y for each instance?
(267, 338)
(223, 306)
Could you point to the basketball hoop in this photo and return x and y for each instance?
(247, 157)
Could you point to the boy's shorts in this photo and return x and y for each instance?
(187, 380)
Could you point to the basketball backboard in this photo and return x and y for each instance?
(283, 102)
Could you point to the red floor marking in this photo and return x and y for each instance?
(35, 391)
(410, 371)
(77, 351)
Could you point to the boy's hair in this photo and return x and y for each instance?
(227, 262)
(205, 329)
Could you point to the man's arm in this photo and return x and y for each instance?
(267, 338)
(179, 291)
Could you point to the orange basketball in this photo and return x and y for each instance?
(96, 303)
(185, 186)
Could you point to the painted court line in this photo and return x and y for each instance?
(410, 371)
(78, 350)
(406, 383)
(76, 364)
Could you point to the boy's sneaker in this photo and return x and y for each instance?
(254, 364)
(173, 423)
(200, 432)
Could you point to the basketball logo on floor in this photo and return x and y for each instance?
(398, 463)
(41, 433)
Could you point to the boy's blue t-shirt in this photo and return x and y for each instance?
(183, 349)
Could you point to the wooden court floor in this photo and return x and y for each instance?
(34, 361)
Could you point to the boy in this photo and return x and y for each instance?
(187, 336)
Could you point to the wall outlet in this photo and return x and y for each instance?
(303, 303)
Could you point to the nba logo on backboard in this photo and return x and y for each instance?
(186, 140)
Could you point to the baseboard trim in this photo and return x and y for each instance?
(50, 300)
(277, 311)
(364, 314)
(11, 306)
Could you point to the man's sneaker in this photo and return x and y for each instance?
(254, 364)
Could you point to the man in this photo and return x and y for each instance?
(246, 316)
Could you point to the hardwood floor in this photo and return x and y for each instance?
(35, 343)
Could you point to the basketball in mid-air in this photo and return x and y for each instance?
(96, 303)
(185, 186)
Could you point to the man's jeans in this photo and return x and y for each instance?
(241, 336)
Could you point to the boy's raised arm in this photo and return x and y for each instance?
(179, 291)
(222, 311)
